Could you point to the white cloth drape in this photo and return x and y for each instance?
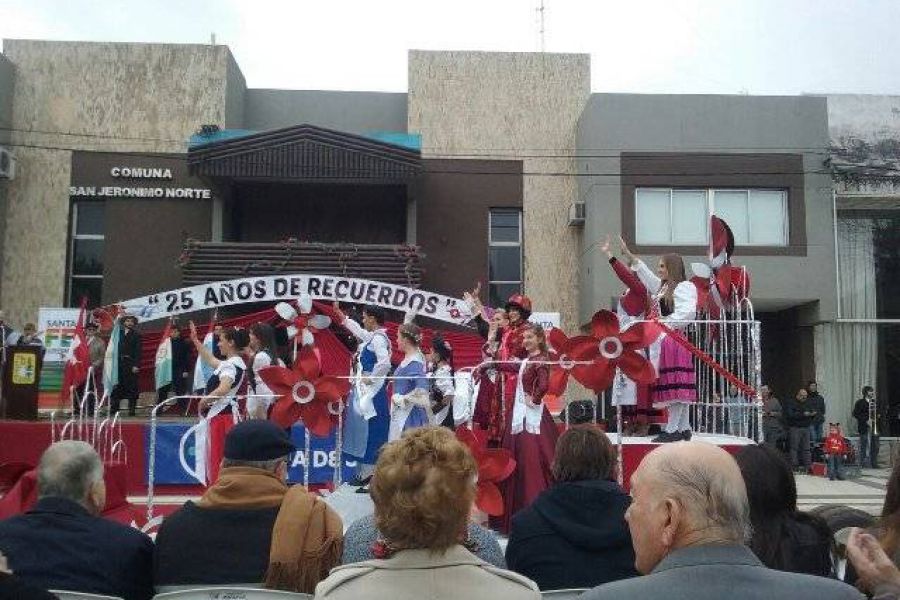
(847, 353)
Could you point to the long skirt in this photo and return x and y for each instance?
(677, 380)
(482, 412)
(364, 438)
(219, 426)
(534, 459)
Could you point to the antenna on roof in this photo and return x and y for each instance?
(212, 38)
(540, 12)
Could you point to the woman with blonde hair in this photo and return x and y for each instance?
(410, 398)
(423, 490)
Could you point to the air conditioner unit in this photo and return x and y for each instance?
(7, 164)
(576, 214)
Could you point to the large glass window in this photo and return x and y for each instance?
(504, 254)
(680, 217)
(86, 253)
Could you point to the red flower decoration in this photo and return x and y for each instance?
(494, 465)
(304, 394)
(606, 349)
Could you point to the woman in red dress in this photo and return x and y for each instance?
(529, 430)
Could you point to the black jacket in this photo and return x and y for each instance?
(861, 414)
(181, 357)
(13, 588)
(213, 546)
(129, 350)
(58, 545)
(799, 414)
(817, 401)
(574, 535)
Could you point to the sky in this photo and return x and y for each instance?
(637, 46)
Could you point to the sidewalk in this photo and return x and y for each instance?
(865, 492)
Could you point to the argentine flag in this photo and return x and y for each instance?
(202, 371)
(163, 362)
(111, 359)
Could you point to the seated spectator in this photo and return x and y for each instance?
(690, 520)
(13, 588)
(888, 530)
(423, 489)
(62, 543)
(250, 527)
(784, 538)
(361, 537)
(574, 535)
(878, 575)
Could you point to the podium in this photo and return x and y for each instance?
(21, 380)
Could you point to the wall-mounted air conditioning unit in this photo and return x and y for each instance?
(576, 214)
(7, 164)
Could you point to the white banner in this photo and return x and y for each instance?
(56, 328)
(547, 320)
(273, 288)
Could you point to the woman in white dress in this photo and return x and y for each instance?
(264, 353)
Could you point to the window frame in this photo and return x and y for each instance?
(73, 237)
(501, 244)
(710, 195)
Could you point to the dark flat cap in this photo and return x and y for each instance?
(257, 439)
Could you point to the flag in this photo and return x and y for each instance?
(111, 359)
(78, 359)
(202, 371)
(163, 362)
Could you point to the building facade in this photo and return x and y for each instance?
(143, 167)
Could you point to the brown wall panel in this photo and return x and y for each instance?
(454, 199)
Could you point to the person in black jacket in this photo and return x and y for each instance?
(861, 411)
(574, 535)
(799, 415)
(181, 369)
(129, 366)
(63, 544)
(817, 401)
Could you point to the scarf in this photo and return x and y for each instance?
(307, 539)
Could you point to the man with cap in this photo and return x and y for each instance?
(250, 527)
(129, 366)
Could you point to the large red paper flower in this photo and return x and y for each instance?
(606, 349)
(494, 465)
(304, 394)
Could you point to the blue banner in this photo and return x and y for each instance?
(175, 454)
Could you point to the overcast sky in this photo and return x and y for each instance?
(664, 46)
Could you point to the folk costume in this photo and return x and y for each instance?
(410, 398)
(261, 396)
(676, 387)
(511, 349)
(530, 434)
(221, 416)
(442, 390)
(487, 383)
(368, 418)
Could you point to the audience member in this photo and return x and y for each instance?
(783, 537)
(423, 489)
(861, 411)
(574, 535)
(878, 575)
(13, 588)
(817, 402)
(887, 533)
(773, 419)
(249, 526)
(689, 521)
(361, 538)
(62, 543)
(799, 416)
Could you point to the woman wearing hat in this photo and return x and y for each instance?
(440, 374)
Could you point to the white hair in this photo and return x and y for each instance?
(69, 469)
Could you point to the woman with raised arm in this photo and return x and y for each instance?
(491, 326)
(219, 407)
(675, 301)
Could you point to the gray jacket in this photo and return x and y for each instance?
(719, 572)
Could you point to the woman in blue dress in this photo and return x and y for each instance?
(411, 399)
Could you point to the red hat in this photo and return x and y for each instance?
(520, 300)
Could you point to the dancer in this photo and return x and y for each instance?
(219, 407)
(410, 398)
(675, 299)
(633, 306)
(530, 432)
(368, 417)
(264, 354)
(491, 327)
(441, 373)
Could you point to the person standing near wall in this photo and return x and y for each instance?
(861, 411)
(818, 404)
(799, 415)
(773, 418)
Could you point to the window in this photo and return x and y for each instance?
(678, 217)
(86, 253)
(504, 255)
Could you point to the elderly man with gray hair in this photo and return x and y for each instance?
(63, 544)
(690, 521)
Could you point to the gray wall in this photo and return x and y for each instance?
(353, 112)
(7, 80)
(616, 123)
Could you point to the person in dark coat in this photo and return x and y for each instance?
(574, 535)
(62, 543)
(817, 401)
(13, 588)
(129, 367)
(181, 367)
(868, 457)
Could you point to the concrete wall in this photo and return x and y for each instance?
(616, 123)
(112, 97)
(353, 112)
(7, 84)
(522, 106)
